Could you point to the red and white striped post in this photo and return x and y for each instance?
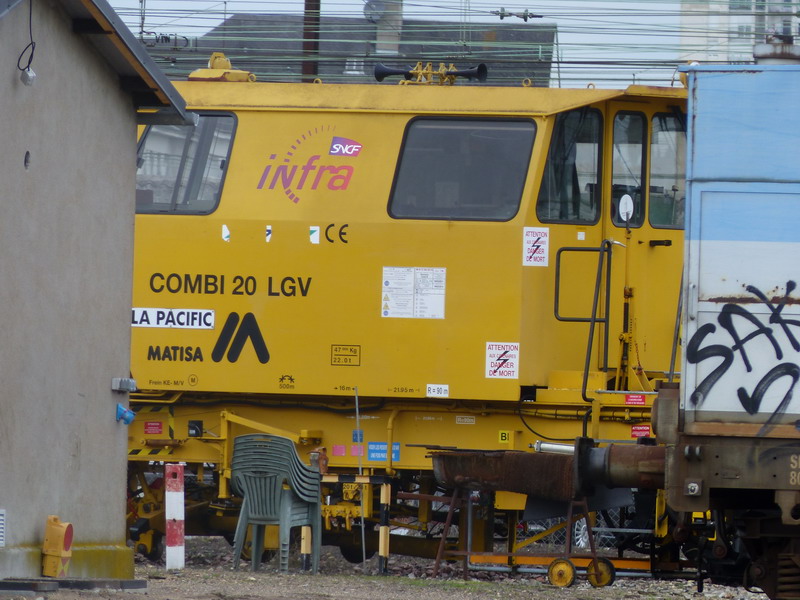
(176, 555)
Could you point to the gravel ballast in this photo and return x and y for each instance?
(209, 576)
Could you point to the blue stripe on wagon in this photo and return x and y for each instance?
(754, 217)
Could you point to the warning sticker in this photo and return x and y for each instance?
(535, 246)
(502, 360)
(153, 427)
(413, 292)
(634, 400)
(638, 431)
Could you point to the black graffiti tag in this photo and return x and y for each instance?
(752, 403)
(776, 316)
(730, 316)
(725, 319)
(695, 355)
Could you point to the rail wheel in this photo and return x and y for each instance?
(604, 574)
(267, 555)
(353, 554)
(247, 553)
(561, 572)
(151, 545)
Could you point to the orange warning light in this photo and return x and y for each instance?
(57, 547)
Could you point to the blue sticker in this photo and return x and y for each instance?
(377, 451)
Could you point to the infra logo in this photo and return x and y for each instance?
(301, 167)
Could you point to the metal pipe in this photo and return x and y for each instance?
(491, 568)
(389, 441)
(552, 448)
(676, 334)
(605, 247)
(624, 466)
(361, 494)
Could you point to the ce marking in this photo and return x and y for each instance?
(341, 233)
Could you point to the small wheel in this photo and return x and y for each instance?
(580, 534)
(605, 574)
(561, 572)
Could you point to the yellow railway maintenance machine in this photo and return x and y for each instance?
(381, 271)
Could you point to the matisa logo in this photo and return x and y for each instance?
(302, 167)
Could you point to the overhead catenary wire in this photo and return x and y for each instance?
(31, 47)
(597, 39)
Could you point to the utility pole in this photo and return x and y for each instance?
(142, 12)
(311, 40)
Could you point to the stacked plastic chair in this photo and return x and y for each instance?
(277, 489)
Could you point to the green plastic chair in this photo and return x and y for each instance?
(261, 507)
(277, 489)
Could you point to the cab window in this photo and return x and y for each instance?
(667, 171)
(181, 168)
(462, 169)
(570, 191)
(630, 131)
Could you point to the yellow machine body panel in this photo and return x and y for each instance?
(313, 273)
(301, 282)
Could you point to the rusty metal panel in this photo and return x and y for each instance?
(545, 476)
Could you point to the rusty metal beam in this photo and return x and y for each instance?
(553, 476)
(547, 476)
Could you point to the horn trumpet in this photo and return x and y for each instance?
(382, 72)
(480, 73)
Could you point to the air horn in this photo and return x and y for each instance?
(425, 75)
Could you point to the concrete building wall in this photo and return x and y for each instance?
(713, 33)
(66, 242)
(725, 32)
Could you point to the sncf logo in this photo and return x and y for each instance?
(305, 168)
(343, 147)
(235, 335)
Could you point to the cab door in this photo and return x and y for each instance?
(643, 216)
(567, 229)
